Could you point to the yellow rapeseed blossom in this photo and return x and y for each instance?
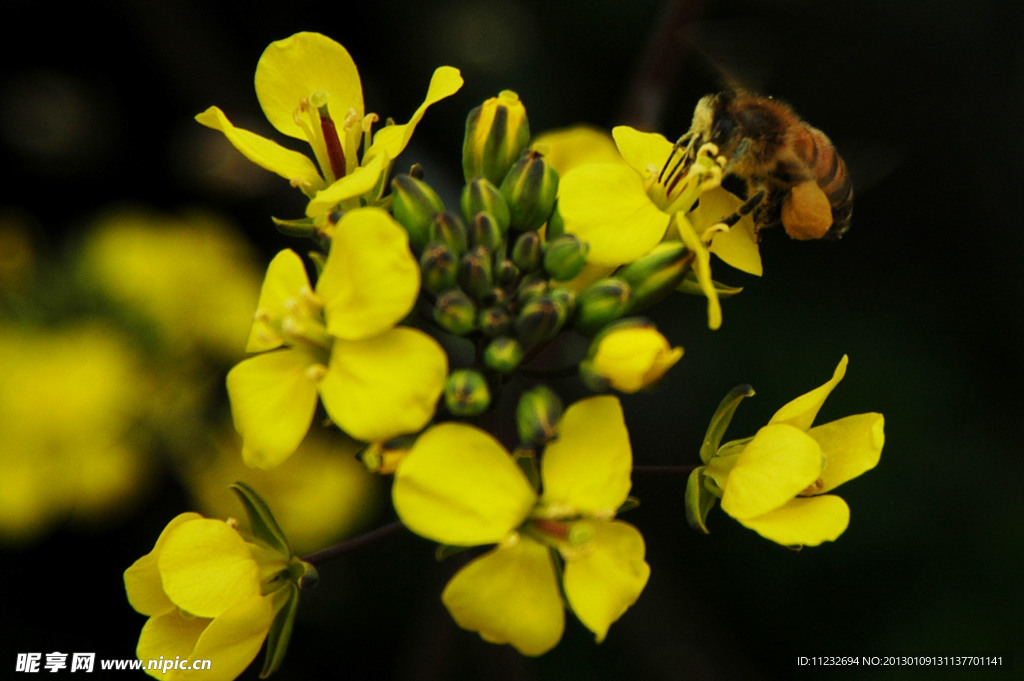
(193, 277)
(309, 89)
(209, 594)
(622, 210)
(69, 397)
(376, 380)
(775, 483)
(459, 486)
(630, 357)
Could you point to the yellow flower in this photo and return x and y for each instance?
(631, 357)
(309, 89)
(459, 486)
(376, 380)
(624, 209)
(193, 277)
(69, 398)
(776, 482)
(209, 595)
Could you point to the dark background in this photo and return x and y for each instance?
(923, 100)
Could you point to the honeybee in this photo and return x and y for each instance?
(792, 171)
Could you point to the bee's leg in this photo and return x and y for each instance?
(745, 208)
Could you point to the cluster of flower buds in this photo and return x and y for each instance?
(499, 268)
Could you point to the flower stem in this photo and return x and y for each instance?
(332, 552)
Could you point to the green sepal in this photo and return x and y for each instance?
(281, 630)
(526, 459)
(720, 421)
(261, 520)
(628, 505)
(319, 260)
(300, 227)
(689, 285)
(698, 501)
(444, 551)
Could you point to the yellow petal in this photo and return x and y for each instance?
(587, 469)
(605, 205)
(701, 268)
(273, 400)
(852, 445)
(371, 278)
(392, 139)
(360, 181)
(286, 276)
(575, 146)
(737, 246)
(291, 165)
(207, 567)
(804, 521)
(171, 635)
(644, 151)
(779, 463)
(296, 67)
(510, 595)
(232, 641)
(800, 412)
(608, 575)
(386, 385)
(459, 486)
(142, 580)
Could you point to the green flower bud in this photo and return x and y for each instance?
(565, 256)
(527, 251)
(503, 354)
(530, 189)
(466, 393)
(537, 415)
(414, 204)
(439, 265)
(476, 275)
(505, 272)
(531, 287)
(601, 303)
(449, 229)
(655, 275)
(556, 225)
(485, 231)
(497, 131)
(541, 319)
(455, 312)
(494, 321)
(565, 297)
(481, 196)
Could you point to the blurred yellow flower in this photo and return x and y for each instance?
(193, 277)
(69, 399)
(322, 493)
